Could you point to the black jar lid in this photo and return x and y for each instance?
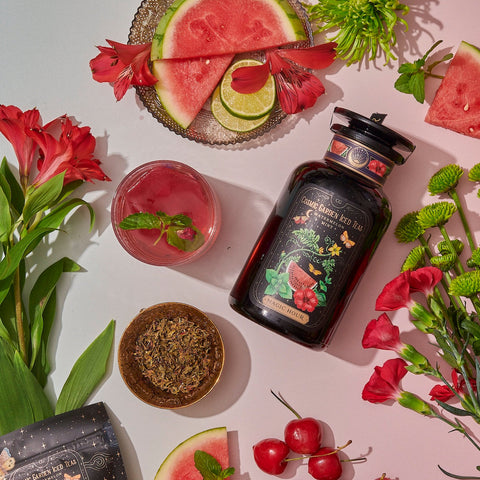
(371, 133)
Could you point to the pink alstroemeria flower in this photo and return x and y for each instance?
(15, 125)
(384, 382)
(425, 280)
(123, 65)
(297, 88)
(72, 153)
(382, 334)
(395, 294)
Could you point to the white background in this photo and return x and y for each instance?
(44, 63)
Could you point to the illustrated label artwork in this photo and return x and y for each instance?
(312, 256)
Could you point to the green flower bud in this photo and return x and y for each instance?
(408, 229)
(444, 246)
(465, 285)
(411, 401)
(424, 319)
(436, 214)
(474, 173)
(444, 262)
(445, 179)
(419, 362)
(415, 259)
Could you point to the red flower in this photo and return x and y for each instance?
(382, 334)
(444, 393)
(123, 65)
(305, 299)
(384, 382)
(395, 294)
(14, 125)
(425, 279)
(297, 88)
(72, 153)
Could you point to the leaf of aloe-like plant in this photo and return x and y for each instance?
(56, 216)
(22, 399)
(15, 255)
(42, 197)
(87, 372)
(17, 198)
(40, 295)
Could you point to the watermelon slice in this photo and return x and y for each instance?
(180, 464)
(456, 105)
(199, 28)
(184, 85)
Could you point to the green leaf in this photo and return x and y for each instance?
(17, 198)
(454, 410)
(143, 220)
(180, 221)
(417, 84)
(43, 196)
(87, 372)
(15, 255)
(40, 294)
(183, 243)
(22, 399)
(57, 214)
(403, 83)
(5, 217)
(209, 467)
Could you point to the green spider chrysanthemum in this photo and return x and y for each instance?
(474, 173)
(444, 246)
(436, 214)
(445, 179)
(415, 259)
(466, 285)
(474, 261)
(408, 229)
(362, 26)
(444, 262)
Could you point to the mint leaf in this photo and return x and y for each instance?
(141, 221)
(174, 238)
(209, 467)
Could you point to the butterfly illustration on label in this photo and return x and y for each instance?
(7, 462)
(302, 218)
(346, 241)
(314, 270)
(66, 476)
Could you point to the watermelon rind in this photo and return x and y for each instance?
(456, 105)
(180, 464)
(164, 41)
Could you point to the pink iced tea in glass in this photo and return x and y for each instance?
(173, 188)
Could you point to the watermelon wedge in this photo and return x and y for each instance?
(184, 86)
(456, 105)
(199, 28)
(180, 464)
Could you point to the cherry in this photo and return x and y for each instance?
(325, 464)
(302, 435)
(270, 454)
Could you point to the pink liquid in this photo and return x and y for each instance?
(171, 188)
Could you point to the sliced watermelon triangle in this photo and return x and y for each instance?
(184, 85)
(195, 28)
(456, 105)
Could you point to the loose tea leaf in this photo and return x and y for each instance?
(173, 354)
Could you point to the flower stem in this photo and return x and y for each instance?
(19, 316)
(454, 195)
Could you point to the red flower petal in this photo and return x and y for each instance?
(381, 333)
(441, 392)
(383, 384)
(395, 294)
(425, 279)
(250, 79)
(316, 57)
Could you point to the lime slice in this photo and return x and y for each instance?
(247, 105)
(229, 121)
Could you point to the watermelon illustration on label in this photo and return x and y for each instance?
(312, 254)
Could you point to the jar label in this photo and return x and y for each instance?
(304, 273)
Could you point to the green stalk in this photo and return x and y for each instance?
(454, 196)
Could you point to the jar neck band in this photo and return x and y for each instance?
(355, 156)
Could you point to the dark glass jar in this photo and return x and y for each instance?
(322, 233)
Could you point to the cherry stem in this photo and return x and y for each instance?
(284, 402)
(326, 454)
